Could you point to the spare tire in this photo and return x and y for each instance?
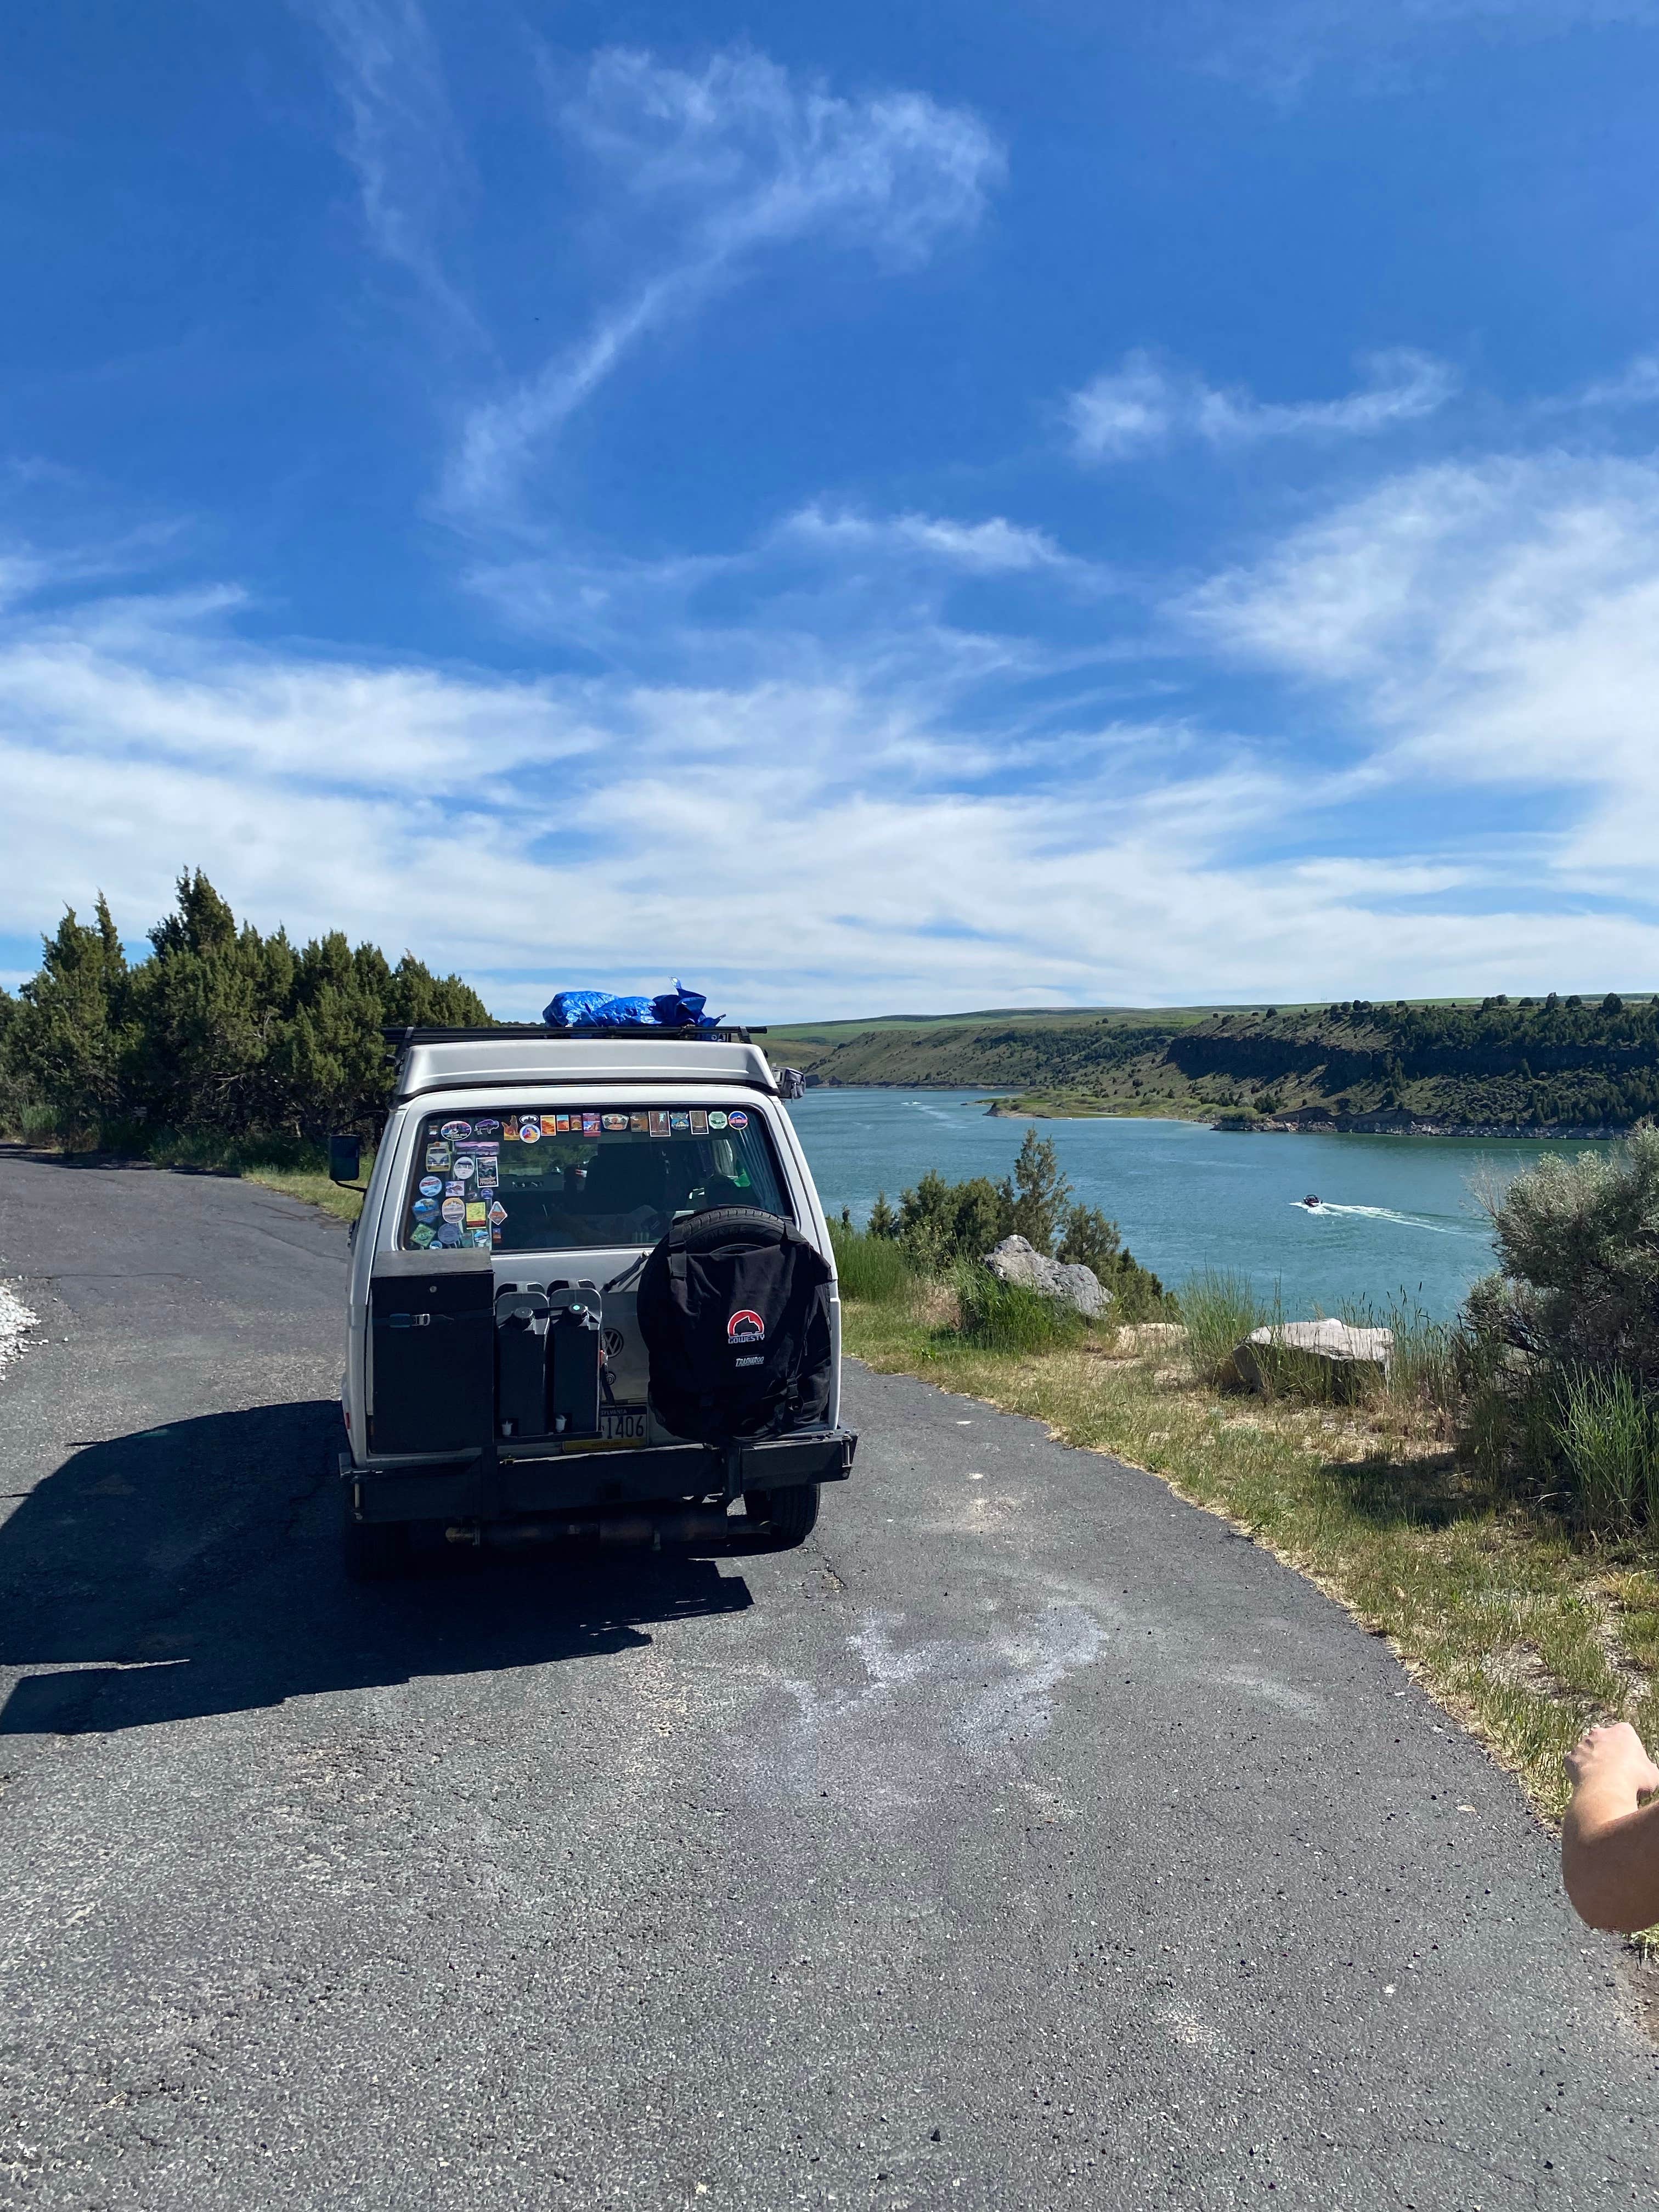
(733, 1308)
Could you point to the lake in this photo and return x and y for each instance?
(1396, 1214)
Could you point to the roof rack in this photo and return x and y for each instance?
(400, 1039)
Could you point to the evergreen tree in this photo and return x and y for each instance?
(69, 1037)
(221, 1033)
(1034, 1199)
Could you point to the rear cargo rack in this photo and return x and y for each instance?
(398, 1041)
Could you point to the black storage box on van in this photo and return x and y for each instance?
(432, 1352)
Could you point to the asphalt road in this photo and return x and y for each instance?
(1028, 1838)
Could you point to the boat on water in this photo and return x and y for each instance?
(1311, 1200)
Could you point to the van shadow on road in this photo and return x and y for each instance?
(197, 1569)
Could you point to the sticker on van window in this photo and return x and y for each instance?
(456, 1129)
(486, 1128)
(432, 1187)
(489, 1175)
(638, 1123)
(497, 1213)
(561, 1125)
(530, 1130)
(679, 1124)
(699, 1122)
(454, 1209)
(614, 1121)
(449, 1236)
(716, 1119)
(465, 1168)
(480, 1237)
(658, 1124)
(454, 1187)
(476, 1212)
(425, 1209)
(590, 1125)
(738, 1121)
(438, 1158)
(422, 1236)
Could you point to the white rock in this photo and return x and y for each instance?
(1016, 1259)
(1349, 1357)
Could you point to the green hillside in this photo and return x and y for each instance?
(1541, 1064)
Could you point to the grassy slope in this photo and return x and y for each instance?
(315, 1189)
(1124, 1060)
(1521, 1633)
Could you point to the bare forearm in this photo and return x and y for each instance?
(1610, 1859)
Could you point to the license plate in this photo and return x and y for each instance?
(622, 1424)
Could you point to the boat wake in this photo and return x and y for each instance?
(1378, 1213)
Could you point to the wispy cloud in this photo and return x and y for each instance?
(1494, 623)
(937, 827)
(996, 547)
(1144, 404)
(726, 163)
(1280, 46)
(1636, 384)
(399, 137)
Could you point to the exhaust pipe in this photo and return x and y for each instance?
(692, 1525)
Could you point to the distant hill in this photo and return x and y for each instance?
(1539, 1066)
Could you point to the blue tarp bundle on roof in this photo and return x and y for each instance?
(678, 1009)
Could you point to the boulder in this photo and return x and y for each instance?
(1015, 1259)
(1332, 1358)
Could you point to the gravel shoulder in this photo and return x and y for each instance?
(1028, 1832)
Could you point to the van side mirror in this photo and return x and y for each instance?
(345, 1159)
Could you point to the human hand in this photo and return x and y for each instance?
(1611, 1757)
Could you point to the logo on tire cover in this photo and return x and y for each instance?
(744, 1327)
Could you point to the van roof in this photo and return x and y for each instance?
(450, 1060)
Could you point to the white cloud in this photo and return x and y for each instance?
(723, 164)
(1143, 404)
(849, 833)
(1493, 623)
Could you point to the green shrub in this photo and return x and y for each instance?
(1137, 1293)
(1009, 1317)
(1577, 1282)
(941, 1221)
(1087, 1239)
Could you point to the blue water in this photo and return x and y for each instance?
(1397, 1214)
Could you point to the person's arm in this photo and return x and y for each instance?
(1610, 1839)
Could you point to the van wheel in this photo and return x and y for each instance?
(376, 1550)
(790, 1514)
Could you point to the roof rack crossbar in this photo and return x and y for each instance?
(399, 1038)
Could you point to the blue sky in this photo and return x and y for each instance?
(873, 509)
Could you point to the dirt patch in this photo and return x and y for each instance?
(1521, 1667)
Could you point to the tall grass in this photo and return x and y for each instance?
(1605, 1433)
(1220, 1309)
(879, 1270)
(1002, 1316)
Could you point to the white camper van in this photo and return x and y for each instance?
(501, 1385)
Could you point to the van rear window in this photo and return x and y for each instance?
(556, 1179)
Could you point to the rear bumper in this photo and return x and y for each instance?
(488, 1490)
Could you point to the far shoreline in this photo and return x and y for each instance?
(1033, 1107)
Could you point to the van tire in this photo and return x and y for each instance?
(790, 1515)
(376, 1550)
